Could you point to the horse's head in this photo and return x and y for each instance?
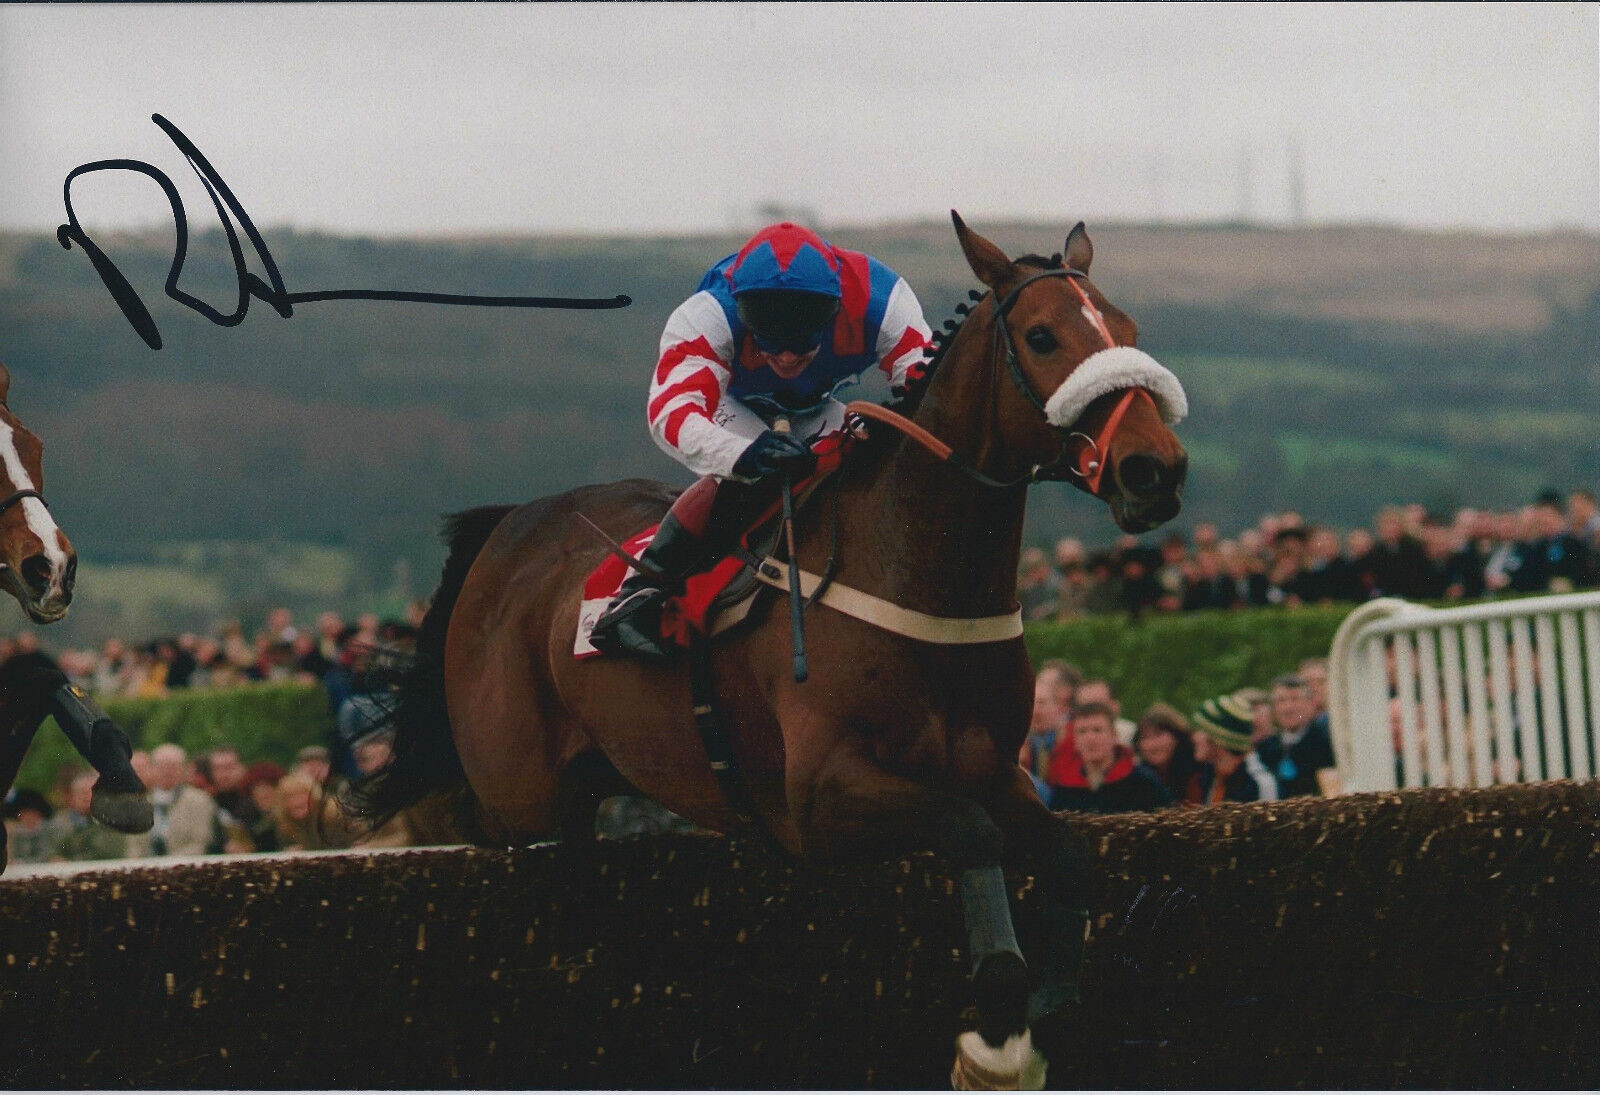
(1082, 403)
(37, 563)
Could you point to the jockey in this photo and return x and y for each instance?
(772, 331)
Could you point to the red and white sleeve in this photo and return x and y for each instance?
(903, 337)
(689, 386)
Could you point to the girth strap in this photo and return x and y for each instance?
(943, 630)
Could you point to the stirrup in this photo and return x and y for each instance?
(618, 630)
(623, 607)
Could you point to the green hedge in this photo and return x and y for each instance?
(1187, 657)
(1181, 659)
(266, 722)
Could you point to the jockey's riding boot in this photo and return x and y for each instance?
(631, 624)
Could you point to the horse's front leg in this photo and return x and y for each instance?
(1057, 856)
(17, 729)
(852, 809)
(31, 687)
(121, 800)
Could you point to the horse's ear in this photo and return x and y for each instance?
(987, 260)
(5, 383)
(1079, 251)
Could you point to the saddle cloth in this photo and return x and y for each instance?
(681, 617)
(696, 610)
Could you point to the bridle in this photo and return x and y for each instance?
(1090, 464)
(13, 499)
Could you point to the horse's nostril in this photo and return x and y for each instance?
(36, 572)
(1140, 474)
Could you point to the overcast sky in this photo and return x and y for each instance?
(630, 118)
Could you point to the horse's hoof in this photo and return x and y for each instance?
(1014, 1066)
(124, 811)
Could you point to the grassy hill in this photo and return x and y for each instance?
(1331, 369)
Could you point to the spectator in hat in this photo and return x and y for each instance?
(1260, 706)
(1228, 771)
(316, 761)
(371, 753)
(1100, 775)
(361, 714)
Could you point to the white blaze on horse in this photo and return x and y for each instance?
(37, 563)
(38, 567)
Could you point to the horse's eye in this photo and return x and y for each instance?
(1040, 340)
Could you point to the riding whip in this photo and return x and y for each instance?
(797, 629)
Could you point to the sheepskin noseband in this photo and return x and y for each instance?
(1112, 370)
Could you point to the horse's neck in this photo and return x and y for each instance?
(933, 539)
(957, 542)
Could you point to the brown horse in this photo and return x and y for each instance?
(38, 568)
(894, 744)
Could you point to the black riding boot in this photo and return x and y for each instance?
(631, 623)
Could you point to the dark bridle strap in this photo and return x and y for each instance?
(19, 496)
(1003, 333)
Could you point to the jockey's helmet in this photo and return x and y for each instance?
(785, 284)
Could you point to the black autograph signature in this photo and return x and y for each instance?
(275, 295)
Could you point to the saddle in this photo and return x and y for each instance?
(721, 597)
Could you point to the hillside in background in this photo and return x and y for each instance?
(308, 460)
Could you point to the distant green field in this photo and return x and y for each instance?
(1216, 383)
(1307, 454)
(197, 585)
(1515, 427)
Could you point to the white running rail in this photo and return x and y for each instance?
(1502, 692)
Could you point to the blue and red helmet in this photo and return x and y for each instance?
(785, 284)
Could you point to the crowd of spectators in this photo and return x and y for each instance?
(333, 652)
(1552, 545)
(216, 802)
(206, 805)
(1253, 745)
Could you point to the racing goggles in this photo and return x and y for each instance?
(787, 321)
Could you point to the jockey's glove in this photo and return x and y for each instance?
(774, 453)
